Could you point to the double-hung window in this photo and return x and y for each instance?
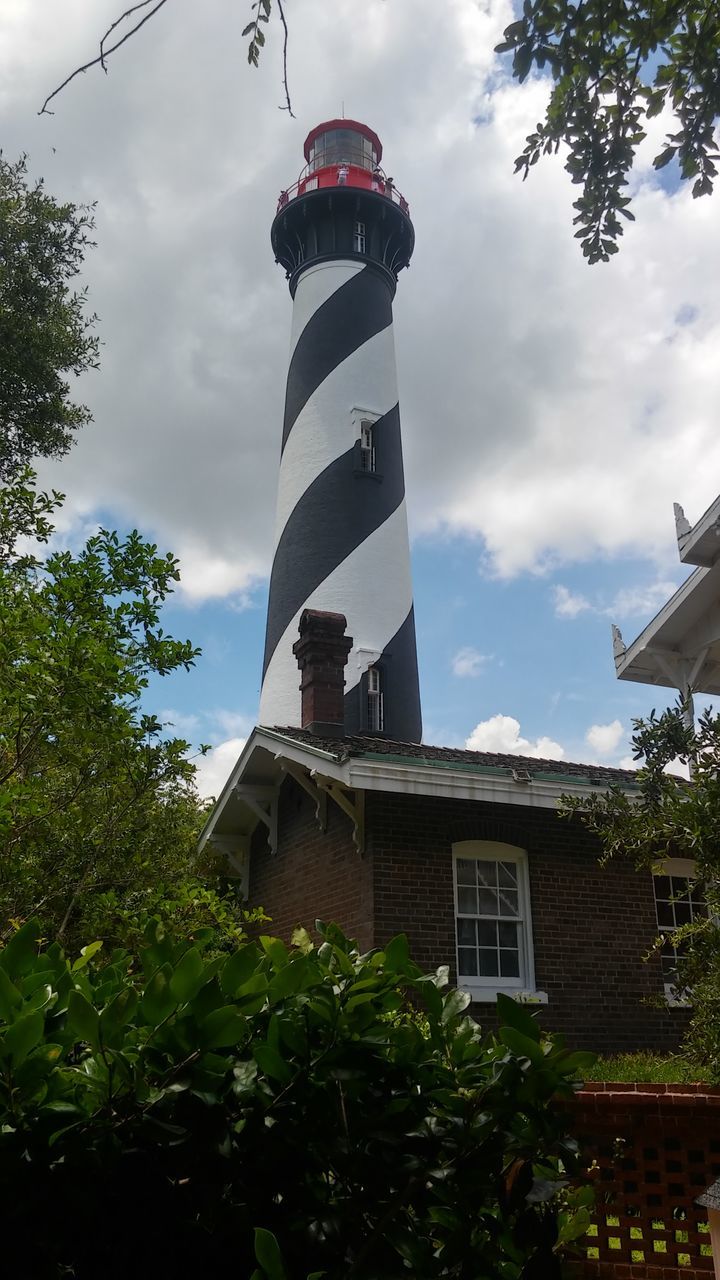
(374, 700)
(679, 900)
(492, 913)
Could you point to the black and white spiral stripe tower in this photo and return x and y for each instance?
(342, 235)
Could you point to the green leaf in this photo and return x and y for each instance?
(22, 1036)
(454, 1004)
(10, 998)
(86, 956)
(512, 1014)
(20, 953)
(276, 950)
(397, 954)
(272, 1063)
(188, 976)
(520, 1044)
(118, 1013)
(83, 1019)
(570, 1063)
(222, 1028)
(239, 968)
(267, 1253)
(158, 1001)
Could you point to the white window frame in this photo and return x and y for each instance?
(685, 868)
(367, 451)
(359, 237)
(485, 989)
(358, 418)
(375, 691)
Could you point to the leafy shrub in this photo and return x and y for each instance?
(261, 1114)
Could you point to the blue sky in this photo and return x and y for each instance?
(551, 412)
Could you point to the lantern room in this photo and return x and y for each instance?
(343, 153)
(343, 205)
(342, 142)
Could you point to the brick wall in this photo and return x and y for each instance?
(655, 1149)
(591, 925)
(313, 875)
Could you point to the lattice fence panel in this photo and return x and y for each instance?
(653, 1152)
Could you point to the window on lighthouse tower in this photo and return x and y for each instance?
(374, 700)
(359, 238)
(367, 446)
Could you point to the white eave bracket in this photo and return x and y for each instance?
(351, 801)
(263, 802)
(317, 794)
(236, 848)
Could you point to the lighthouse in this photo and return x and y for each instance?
(342, 233)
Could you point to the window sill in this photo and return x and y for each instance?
(360, 474)
(675, 1001)
(488, 995)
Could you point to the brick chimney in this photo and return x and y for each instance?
(322, 652)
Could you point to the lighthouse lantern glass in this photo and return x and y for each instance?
(342, 145)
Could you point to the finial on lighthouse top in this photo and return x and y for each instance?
(343, 205)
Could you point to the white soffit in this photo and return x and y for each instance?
(681, 646)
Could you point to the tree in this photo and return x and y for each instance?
(614, 66)
(45, 331)
(672, 818)
(282, 1112)
(98, 810)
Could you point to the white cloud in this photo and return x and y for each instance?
(232, 723)
(605, 738)
(560, 439)
(641, 600)
(213, 769)
(568, 604)
(179, 722)
(469, 662)
(502, 733)
(629, 762)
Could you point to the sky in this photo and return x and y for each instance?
(551, 412)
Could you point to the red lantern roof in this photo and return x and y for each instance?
(343, 124)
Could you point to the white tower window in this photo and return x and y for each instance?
(359, 239)
(374, 700)
(367, 445)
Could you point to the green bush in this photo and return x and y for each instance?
(645, 1066)
(268, 1114)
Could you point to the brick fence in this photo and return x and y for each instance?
(655, 1148)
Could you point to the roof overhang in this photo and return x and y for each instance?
(250, 794)
(680, 648)
(699, 544)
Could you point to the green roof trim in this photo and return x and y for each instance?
(490, 770)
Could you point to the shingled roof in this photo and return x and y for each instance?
(345, 748)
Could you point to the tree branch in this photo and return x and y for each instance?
(281, 11)
(105, 53)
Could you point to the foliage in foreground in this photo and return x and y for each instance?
(671, 818)
(279, 1112)
(614, 66)
(45, 333)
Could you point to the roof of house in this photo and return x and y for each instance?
(368, 763)
(371, 747)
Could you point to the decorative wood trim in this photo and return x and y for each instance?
(354, 807)
(303, 779)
